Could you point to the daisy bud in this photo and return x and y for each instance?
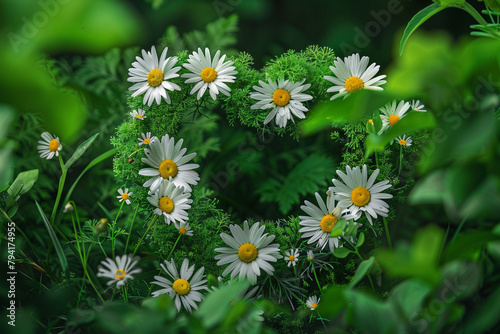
(102, 226)
(68, 208)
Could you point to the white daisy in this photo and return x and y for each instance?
(139, 114)
(171, 202)
(146, 138)
(168, 160)
(312, 302)
(49, 146)
(124, 195)
(416, 106)
(321, 221)
(208, 73)
(352, 75)
(392, 113)
(250, 251)
(359, 193)
(292, 256)
(185, 288)
(283, 97)
(120, 270)
(404, 141)
(151, 76)
(183, 228)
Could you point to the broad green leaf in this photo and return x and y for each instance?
(23, 183)
(428, 190)
(419, 261)
(468, 245)
(363, 269)
(417, 20)
(55, 241)
(361, 240)
(460, 280)
(482, 318)
(332, 302)
(80, 150)
(6, 117)
(339, 227)
(341, 252)
(409, 295)
(214, 308)
(411, 122)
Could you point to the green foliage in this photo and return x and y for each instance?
(301, 180)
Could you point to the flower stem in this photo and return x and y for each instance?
(175, 244)
(387, 233)
(473, 12)
(62, 179)
(400, 159)
(113, 230)
(140, 240)
(131, 225)
(317, 281)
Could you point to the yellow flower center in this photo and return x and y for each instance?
(353, 84)
(53, 145)
(291, 258)
(247, 252)
(182, 230)
(181, 287)
(393, 119)
(281, 97)
(360, 196)
(166, 204)
(139, 116)
(370, 121)
(328, 223)
(167, 169)
(147, 141)
(208, 74)
(125, 196)
(314, 305)
(402, 142)
(120, 274)
(155, 77)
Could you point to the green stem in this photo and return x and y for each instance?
(62, 179)
(317, 281)
(131, 225)
(175, 244)
(400, 159)
(387, 233)
(473, 12)
(376, 159)
(113, 230)
(140, 240)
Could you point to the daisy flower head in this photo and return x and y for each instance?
(208, 73)
(283, 98)
(171, 202)
(183, 228)
(404, 141)
(292, 256)
(167, 160)
(151, 76)
(321, 221)
(312, 302)
(146, 138)
(139, 114)
(124, 195)
(353, 74)
(392, 113)
(120, 270)
(184, 288)
(250, 251)
(361, 194)
(49, 146)
(416, 106)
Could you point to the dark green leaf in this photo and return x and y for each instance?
(361, 240)
(23, 183)
(409, 295)
(417, 20)
(341, 252)
(60, 253)
(363, 269)
(80, 150)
